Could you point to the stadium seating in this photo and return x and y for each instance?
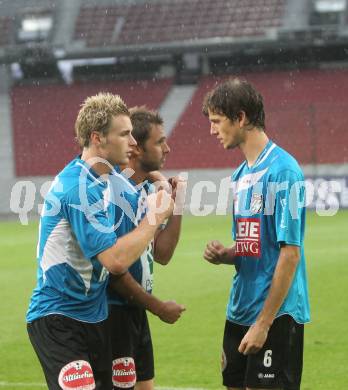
(305, 114)
(44, 116)
(175, 20)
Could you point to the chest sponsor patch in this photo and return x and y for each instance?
(248, 237)
(77, 375)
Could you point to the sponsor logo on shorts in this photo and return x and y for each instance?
(77, 375)
(265, 376)
(248, 237)
(123, 372)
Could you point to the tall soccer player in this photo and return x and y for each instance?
(130, 295)
(78, 248)
(268, 304)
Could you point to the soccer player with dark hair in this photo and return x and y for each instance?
(78, 247)
(130, 295)
(268, 304)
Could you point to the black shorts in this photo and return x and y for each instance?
(277, 365)
(73, 354)
(132, 351)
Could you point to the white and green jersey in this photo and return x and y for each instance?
(134, 199)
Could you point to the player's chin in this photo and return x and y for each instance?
(230, 145)
(125, 160)
(157, 166)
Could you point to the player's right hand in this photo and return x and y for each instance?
(160, 207)
(215, 252)
(170, 312)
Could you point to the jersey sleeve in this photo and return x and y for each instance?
(289, 207)
(89, 221)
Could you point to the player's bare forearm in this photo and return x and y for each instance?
(167, 240)
(127, 249)
(133, 292)
(229, 256)
(126, 286)
(284, 273)
(216, 253)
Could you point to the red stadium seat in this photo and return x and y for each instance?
(175, 20)
(44, 116)
(305, 114)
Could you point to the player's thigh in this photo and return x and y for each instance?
(278, 365)
(233, 363)
(99, 347)
(145, 385)
(60, 345)
(144, 359)
(123, 323)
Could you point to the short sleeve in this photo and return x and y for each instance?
(89, 221)
(289, 207)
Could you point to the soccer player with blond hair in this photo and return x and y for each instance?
(78, 248)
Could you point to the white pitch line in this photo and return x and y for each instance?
(21, 384)
(180, 388)
(24, 384)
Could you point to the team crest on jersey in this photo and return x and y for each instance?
(248, 237)
(123, 372)
(77, 375)
(256, 203)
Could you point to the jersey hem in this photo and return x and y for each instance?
(66, 315)
(277, 316)
(289, 243)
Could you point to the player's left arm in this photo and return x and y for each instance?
(167, 239)
(126, 286)
(284, 273)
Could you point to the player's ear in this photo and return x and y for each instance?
(242, 119)
(95, 138)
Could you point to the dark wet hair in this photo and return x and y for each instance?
(233, 96)
(142, 119)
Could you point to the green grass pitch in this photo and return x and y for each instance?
(187, 354)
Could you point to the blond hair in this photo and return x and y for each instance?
(96, 114)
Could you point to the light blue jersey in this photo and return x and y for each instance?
(130, 209)
(269, 209)
(75, 226)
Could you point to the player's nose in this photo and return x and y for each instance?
(166, 148)
(132, 141)
(213, 130)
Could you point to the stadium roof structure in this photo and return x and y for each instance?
(71, 29)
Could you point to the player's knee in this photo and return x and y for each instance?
(145, 385)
